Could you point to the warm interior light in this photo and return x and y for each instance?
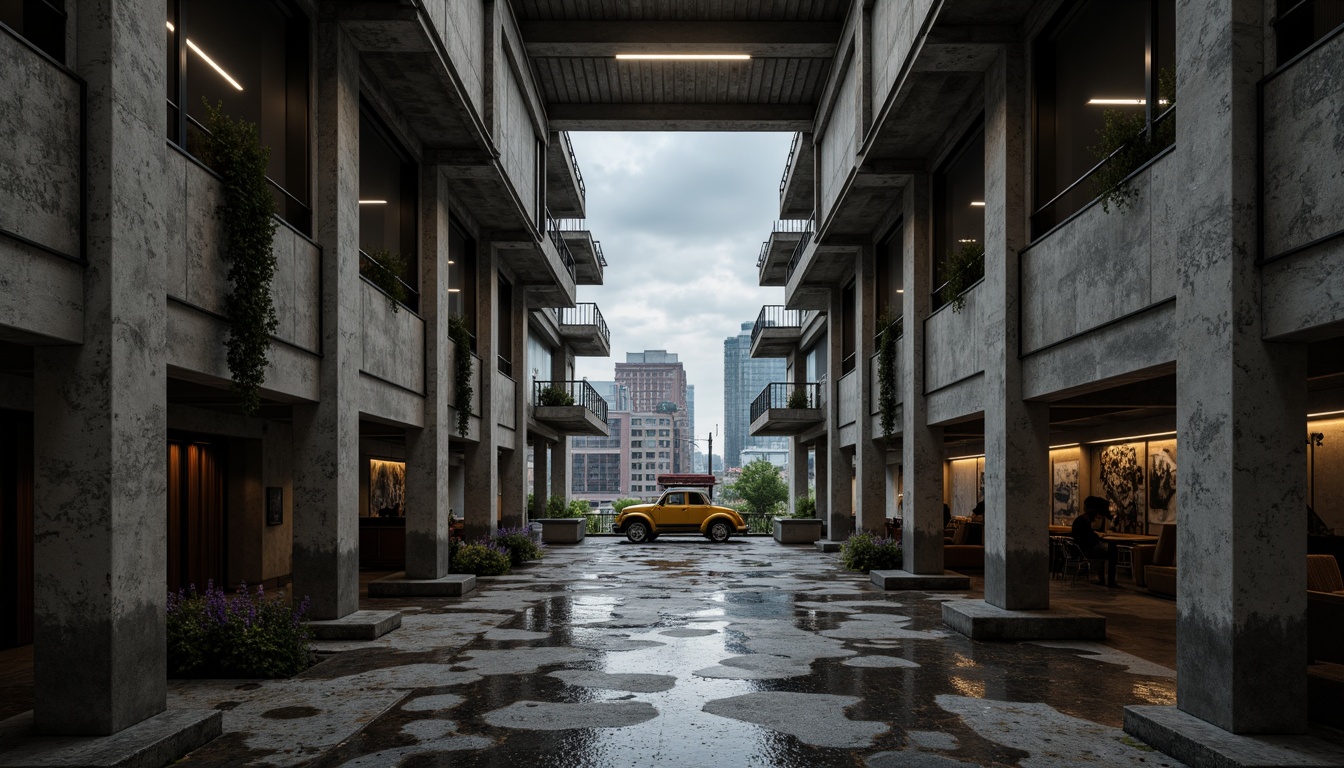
(454, 290)
(212, 63)
(1324, 413)
(377, 202)
(900, 290)
(171, 28)
(450, 261)
(977, 203)
(686, 56)
(1124, 102)
(967, 458)
(968, 239)
(1133, 438)
(1065, 445)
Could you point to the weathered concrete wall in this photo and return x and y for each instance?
(392, 342)
(1146, 341)
(460, 24)
(41, 296)
(196, 347)
(835, 153)
(1102, 266)
(954, 343)
(894, 26)
(1304, 293)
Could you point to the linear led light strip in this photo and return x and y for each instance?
(207, 59)
(1123, 102)
(684, 56)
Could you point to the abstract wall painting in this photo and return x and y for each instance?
(1064, 492)
(1162, 482)
(1122, 485)
(387, 488)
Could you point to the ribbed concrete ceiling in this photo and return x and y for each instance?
(572, 46)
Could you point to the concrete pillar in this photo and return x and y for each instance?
(480, 464)
(541, 473)
(1017, 433)
(427, 493)
(326, 434)
(1241, 404)
(921, 444)
(513, 464)
(100, 468)
(870, 449)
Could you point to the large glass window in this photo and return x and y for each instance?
(539, 358)
(387, 204)
(1096, 56)
(849, 327)
(890, 277)
(251, 58)
(41, 22)
(816, 362)
(959, 206)
(504, 326)
(1299, 23)
(462, 275)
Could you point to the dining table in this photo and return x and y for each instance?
(1116, 540)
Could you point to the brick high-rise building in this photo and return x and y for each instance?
(656, 381)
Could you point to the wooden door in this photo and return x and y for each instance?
(16, 528)
(197, 527)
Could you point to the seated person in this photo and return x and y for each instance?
(978, 512)
(947, 516)
(1085, 535)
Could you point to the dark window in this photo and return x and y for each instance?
(40, 22)
(1096, 56)
(504, 327)
(1300, 23)
(387, 204)
(695, 499)
(251, 57)
(959, 205)
(849, 327)
(462, 274)
(890, 277)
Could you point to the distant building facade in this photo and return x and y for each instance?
(743, 379)
(656, 381)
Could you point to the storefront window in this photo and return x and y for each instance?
(250, 57)
(1300, 23)
(387, 205)
(1097, 56)
(504, 326)
(40, 22)
(849, 326)
(959, 206)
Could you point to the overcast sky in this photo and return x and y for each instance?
(681, 218)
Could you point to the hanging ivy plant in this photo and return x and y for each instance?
(234, 151)
(1125, 146)
(886, 373)
(460, 335)
(384, 269)
(964, 267)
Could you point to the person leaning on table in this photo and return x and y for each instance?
(1085, 534)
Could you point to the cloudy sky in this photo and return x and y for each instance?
(681, 217)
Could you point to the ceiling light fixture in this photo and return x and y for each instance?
(977, 203)
(1324, 413)
(1065, 445)
(375, 202)
(1123, 102)
(684, 56)
(192, 45)
(1133, 438)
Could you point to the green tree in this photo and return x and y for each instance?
(619, 504)
(760, 487)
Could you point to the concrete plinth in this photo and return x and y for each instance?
(563, 530)
(931, 582)
(397, 585)
(1199, 743)
(826, 545)
(979, 620)
(797, 531)
(360, 625)
(151, 743)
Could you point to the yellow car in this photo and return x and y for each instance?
(680, 510)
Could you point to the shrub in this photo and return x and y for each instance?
(484, 558)
(806, 507)
(522, 544)
(620, 504)
(868, 552)
(555, 396)
(242, 635)
(798, 399)
(579, 508)
(556, 507)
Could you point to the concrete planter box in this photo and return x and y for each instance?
(797, 531)
(563, 530)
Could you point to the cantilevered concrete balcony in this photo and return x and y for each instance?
(585, 331)
(773, 263)
(814, 269)
(796, 190)
(589, 263)
(565, 193)
(545, 268)
(785, 409)
(569, 407)
(777, 331)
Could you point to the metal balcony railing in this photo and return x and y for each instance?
(788, 162)
(586, 313)
(574, 161)
(547, 393)
(368, 266)
(776, 316)
(765, 252)
(897, 327)
(786, 395)
(601, 258)
(561, 247)
(798, 249)
(787, 226)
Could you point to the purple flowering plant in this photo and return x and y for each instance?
(243, 635)
(869, 552)
(523, 544)
(483, 558)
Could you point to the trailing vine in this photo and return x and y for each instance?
(234, 151)
(886, 373)
(1125, 147)
(460, 335)
(384, 269)
(964, 266)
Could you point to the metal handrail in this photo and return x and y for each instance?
(791, 226)
(788, 162)
(777, 395)
(601, 258)
(561, 247)
(305, 224)
(571, 225)
(765, 251)
(574, 161)
(776, 316)
(412, 295)
(798, 249)
(586, 313)
(897, 326)
(576, 392)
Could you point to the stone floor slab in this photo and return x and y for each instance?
(360, 625)
(926, 582)
(1204, 745)
(397, 585)
(979, 620)
(152, 743)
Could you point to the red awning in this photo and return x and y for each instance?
(688, 480)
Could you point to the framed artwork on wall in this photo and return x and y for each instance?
(275, 505)
(1064, 492)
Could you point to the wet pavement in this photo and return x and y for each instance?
(686, 653)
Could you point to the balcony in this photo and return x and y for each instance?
(565, 193)
(785, 409)
(585, 331)
(544, 268)
(570, 407)
(773, 263)
(777, 331)
(796, 191)
(588, 259)
(814, 269)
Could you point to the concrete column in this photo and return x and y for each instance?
(1017, 433)
(839, 490)
(480, 464)
(100, 478)
(513, 464)
(823, 483)
(1241, 404)
(540, 475)
(326, 434)
(427, 493)
(870, 450)
(921, 444)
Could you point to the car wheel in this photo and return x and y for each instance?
(638, 532)
(719, 531)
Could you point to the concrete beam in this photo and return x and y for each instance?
(681, 117)
(760, 39)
